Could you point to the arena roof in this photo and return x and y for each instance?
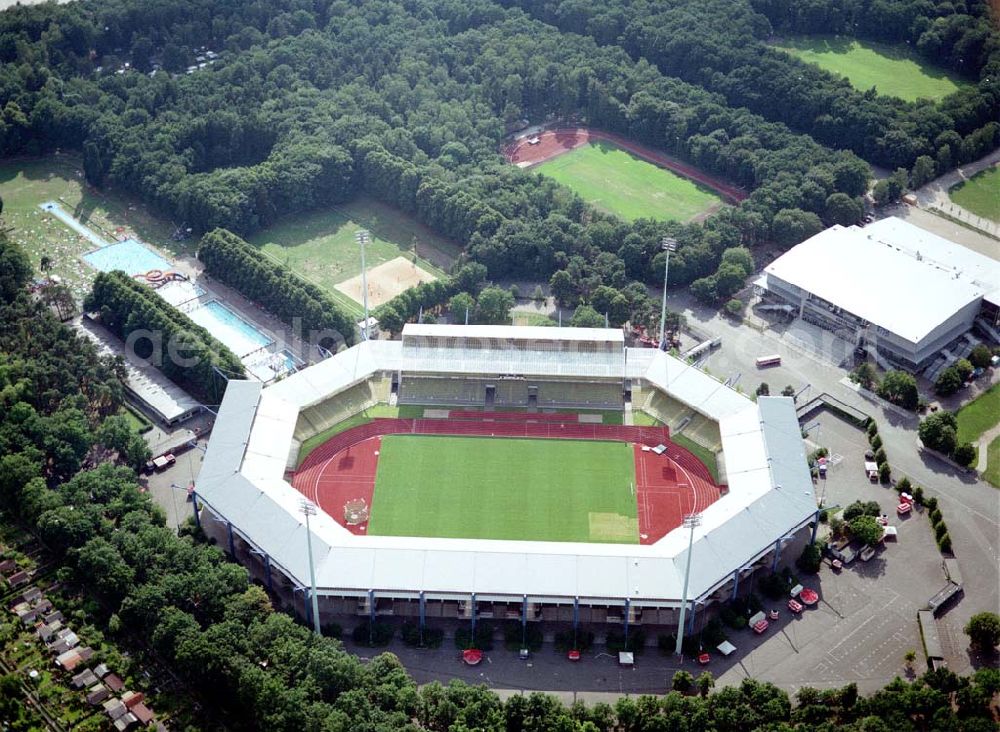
(515, 332)
(506, 349)
(891, 273)
(162, 396)
(242, 482)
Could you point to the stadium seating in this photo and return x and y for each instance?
(444, 391)
(667, 410)
(704, 431)
(511, 393)
(326, 414)
(582, 394)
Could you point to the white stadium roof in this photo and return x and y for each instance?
(242, 482)
(890, 273)
(516, 332)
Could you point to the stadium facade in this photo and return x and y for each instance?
(249, 507)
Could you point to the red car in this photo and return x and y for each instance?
(795, 606)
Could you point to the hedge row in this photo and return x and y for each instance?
(184, 351)
(236, 263)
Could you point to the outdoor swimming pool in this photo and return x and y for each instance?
(233, 331)
(130, 256)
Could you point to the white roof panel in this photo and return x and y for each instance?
(520, 332)
(884, 272)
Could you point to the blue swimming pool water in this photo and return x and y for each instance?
(233, 331)
(129, 255)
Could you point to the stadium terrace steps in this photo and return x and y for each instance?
(326, 414)
(704, 431)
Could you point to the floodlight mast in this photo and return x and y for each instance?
(668, 245)
(362, 236)
(691, 521)
(309, 509)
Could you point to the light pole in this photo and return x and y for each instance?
(690, 522)
(362, 237)
(309, 509)
(669, 245)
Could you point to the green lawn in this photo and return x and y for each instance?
(321, 246)
(893, 70)
(980, 194)
(992, 473)
(522, 317)
(499, 488)
(979, 415)
(614, 180)
(27, 182)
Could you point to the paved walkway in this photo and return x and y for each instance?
(984, 442)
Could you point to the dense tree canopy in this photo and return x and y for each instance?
(155, 330)
(310, 104)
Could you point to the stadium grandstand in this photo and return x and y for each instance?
(761, 512)
(583, 368)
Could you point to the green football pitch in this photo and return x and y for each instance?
(896, 71)
(503, 488)
(612, 179)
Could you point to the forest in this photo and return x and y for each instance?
(309, 103)
(312, 103)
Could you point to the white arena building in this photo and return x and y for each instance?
(910, 296)
(248, 505)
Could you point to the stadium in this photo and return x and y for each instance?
(465, 473)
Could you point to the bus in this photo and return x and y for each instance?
(765, 361)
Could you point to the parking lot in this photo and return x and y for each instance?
(866, 619)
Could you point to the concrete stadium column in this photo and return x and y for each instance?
(627, 607)
(267, 572)
(194, 507)
(812, 539)
(694, 611)
(232, 545)
(371, 606)
(777, 555)
(423, 615)
(736, 583)
(576, 615)
(307, 605)
(473, 616)
(524, 615)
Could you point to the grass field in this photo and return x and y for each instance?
(26, 183)
(516, 489)
(321, 247)
(980, 194)
(895, 71)
(992, 473)
(979, 415)
(614, 180)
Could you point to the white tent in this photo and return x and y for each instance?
(725, 648)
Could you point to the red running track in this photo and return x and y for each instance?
(556, 142)
(667, 486)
